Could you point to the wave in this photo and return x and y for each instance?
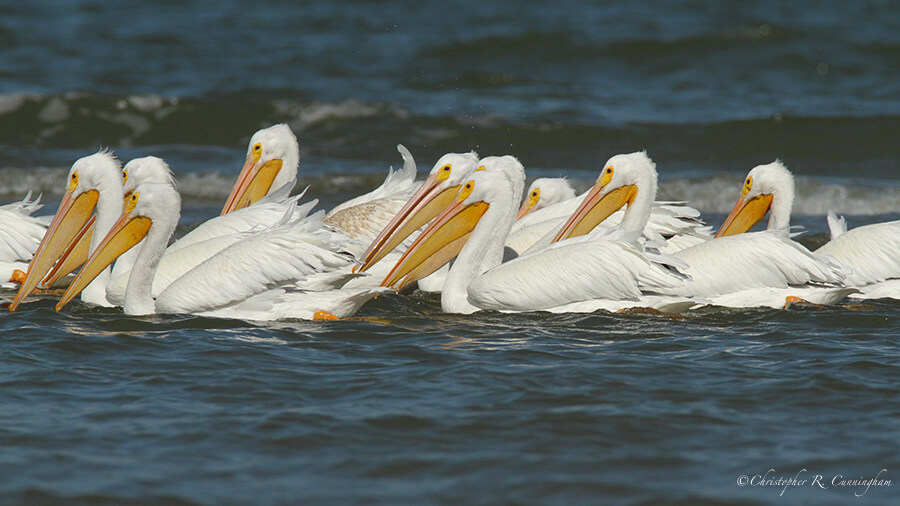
(77, 119)
(717, 193)
(353, 129)
(569, 45)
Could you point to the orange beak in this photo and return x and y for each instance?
(437, 245)
(125, 233)
(428, 201)
(596, 207)
(253, 183)
(74, 256)
(71, 216)
(745, 214)
(527, 206)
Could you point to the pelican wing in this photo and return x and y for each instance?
(580, 269)
(836, 225)
(363, 217)
(364, 221)
(20, 232)
(399, 184)
(285, 253)
(174, 264)
(282, 304)
(872, 251)
(754, 260)
(262, 214)
(210, 238)
(523, 237)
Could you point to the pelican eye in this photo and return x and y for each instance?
(444, 173)
(73, 181)
(534, 194)
(606, 176)
(256, 152)
(466, 191)
(748, 184)
(132, 202)
(124, 175)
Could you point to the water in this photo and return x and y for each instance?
(407, 404)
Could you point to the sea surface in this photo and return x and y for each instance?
(404, 404)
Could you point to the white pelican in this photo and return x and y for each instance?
(272, 162)
(94, 181)
(872, 252)
(273, 157)
(250, 279)
(534, 230)
(20, 235)
(140, 170)
(764, 268)
(215, 234)
(202, 242)
(544, 192)
(604, 270)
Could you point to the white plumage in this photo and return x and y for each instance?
(94, 183)
(602, 270)
(872, 252)
(20, 235)
(869, 255)
(363, 217)
(544, 192)
(671, 226)
(761, 268)
(253, 278)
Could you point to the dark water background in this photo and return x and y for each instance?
(410, 405)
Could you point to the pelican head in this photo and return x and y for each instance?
(544, 192)
(431, 198)
(620, 181)
(150, 205)
(148, 169)
(273, 157)
(766, 187)
(496, 186)
(87, 179)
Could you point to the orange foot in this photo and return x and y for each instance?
(790, 299)
(319, 316)
(18, 276)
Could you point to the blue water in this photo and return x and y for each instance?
(405, 404)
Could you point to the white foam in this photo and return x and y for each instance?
(714, 194)
(718, 194)
(307, 115)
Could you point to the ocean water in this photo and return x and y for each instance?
(405, 404)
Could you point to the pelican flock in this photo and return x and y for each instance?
(465, 232)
